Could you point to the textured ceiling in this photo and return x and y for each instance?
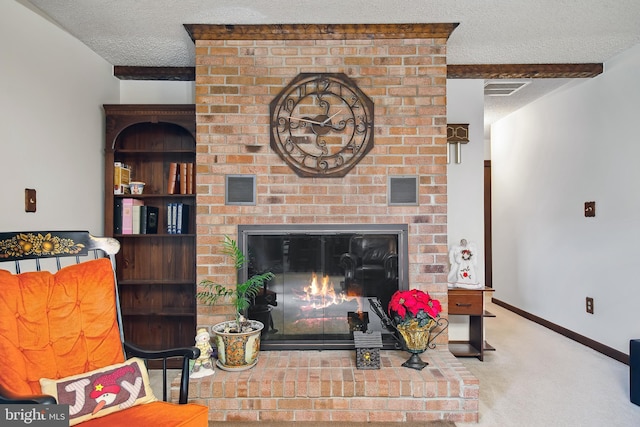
(151, 32)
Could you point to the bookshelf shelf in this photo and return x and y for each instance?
(158, 152)
(156, 272)
(152, 196)
(153, 282)
(157, 313)
(161, 235)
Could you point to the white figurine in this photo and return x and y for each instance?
(463, 261)
(203, 365)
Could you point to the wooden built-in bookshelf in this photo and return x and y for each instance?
(156, 272)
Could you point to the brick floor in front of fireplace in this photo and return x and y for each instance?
(327, 386)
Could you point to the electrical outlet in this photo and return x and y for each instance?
(589, 305)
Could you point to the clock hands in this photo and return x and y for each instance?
(331, 117)
(315, 122)
(306, 120)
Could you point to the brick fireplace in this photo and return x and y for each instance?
(402, 68)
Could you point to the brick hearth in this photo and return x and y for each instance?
(326, 386)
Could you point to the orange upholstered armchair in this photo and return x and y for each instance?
(61, 339)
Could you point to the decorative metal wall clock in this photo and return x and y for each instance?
(321, 124)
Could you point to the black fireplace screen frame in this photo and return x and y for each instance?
(397, 270)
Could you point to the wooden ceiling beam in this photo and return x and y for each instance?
(524, 71)
(319, 31)
(482, 71)
(154, 73)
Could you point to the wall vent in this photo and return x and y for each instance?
(402, 190)
(240, 189)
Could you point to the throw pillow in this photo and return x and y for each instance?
(103, 391)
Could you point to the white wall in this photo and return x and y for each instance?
(52, 89)
(577, 144)
(156, 92)
(465, 181)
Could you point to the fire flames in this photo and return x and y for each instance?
(321, 294)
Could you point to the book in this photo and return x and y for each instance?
(168, 216)
(143, 219)
(121, 178)
(152, 220)
(173, 178)
(191, 185)
(127, 214)
(174, 214)
(136, 219)
(117, 216)
(182, 179)
(149, 220)
(178, 218)
(171, 218)
(182, 219)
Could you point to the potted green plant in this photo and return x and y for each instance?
(238, 341)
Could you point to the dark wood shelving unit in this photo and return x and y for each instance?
(470, 302)
(156, 272)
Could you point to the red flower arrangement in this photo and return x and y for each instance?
(406, 306)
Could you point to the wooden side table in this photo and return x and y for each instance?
(470, 302)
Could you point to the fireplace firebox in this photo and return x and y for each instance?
(327, 280)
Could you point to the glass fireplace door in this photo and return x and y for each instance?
(322, 286)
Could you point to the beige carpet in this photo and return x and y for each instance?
(538, 378)
(331, 424)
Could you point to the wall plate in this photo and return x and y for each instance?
(589, 209)
(29, 200)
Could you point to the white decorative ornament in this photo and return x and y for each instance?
(463, 259)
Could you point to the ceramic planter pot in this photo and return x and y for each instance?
(262, 313)
(237, 351)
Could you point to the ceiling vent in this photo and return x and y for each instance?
(494, 88)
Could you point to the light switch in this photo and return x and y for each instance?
(29, 200)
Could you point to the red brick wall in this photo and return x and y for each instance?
(406, 79)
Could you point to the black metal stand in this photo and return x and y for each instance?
(414, 362)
